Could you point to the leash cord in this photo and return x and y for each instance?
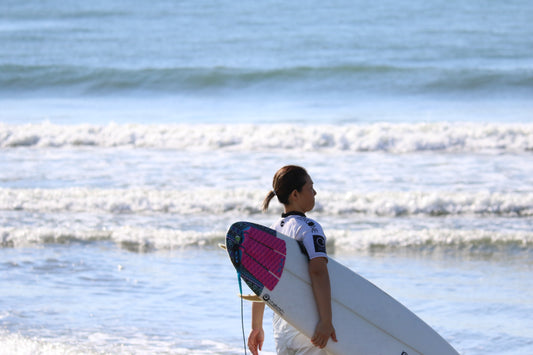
(242, 313)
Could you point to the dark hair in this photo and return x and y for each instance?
(286, 180)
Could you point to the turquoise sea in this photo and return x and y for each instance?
(133, 133)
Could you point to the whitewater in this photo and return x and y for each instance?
(95, 214)
(386, 137)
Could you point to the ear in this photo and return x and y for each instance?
(294, 195)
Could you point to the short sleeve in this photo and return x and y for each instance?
(314, 240)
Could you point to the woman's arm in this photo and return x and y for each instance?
(257, 335)
(318, 271)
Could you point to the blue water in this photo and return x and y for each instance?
(340, 61)
(132, 134)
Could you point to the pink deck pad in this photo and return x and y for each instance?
(267, 239)
(263, 256)
(259, 272)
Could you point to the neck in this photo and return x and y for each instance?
(293, 207)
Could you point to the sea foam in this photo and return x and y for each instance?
(244, 202)
(377, 137)
(147, 239)
(16, 344)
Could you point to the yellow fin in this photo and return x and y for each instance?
(251, 298)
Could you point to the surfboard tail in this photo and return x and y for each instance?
(256, 255)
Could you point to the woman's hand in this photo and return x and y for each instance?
(323, 332)
(255, 340)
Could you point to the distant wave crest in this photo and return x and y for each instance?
(352, 77)
(377, 137)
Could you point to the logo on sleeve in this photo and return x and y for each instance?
(320, 243)
(312, 225)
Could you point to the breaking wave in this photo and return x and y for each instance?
(145, 239)
(244, 202)
(378, 137)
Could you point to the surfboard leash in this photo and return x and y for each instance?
(242, 311)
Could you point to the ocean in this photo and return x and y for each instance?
(133, 134)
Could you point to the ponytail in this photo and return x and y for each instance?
(267, 200)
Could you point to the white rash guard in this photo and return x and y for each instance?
(304, 230)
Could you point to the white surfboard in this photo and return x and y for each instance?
(366, 319)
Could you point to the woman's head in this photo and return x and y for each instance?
(286, 180)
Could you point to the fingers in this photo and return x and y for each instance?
(319, 342)
(320, 338)
(255, 341)
(253, 347)
(334, 336)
